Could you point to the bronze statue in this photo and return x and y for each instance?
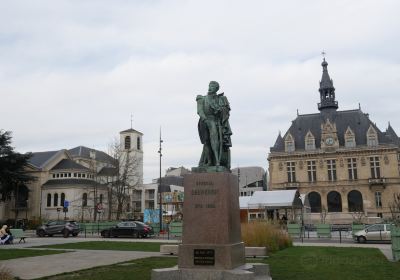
(214, 130)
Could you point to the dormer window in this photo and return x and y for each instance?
(289, 143)
(350, 140)
(127, 142)
(309, 141)
(372, 137)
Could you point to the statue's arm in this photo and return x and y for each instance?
(200, 107)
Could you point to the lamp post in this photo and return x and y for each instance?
(159, 185)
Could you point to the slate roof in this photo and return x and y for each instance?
(108, 171)
(68, 182)
(38, 159)
(69, 164)
(358, 121)
(82, 151)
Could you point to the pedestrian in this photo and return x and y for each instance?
(4, 236)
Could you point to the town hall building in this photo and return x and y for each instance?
(341, 160)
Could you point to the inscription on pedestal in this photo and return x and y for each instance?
(204, 193)
(204, 257)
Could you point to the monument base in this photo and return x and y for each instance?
(251, 271)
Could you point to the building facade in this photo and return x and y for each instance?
(250, 179)
(83, 177)
(341, 160)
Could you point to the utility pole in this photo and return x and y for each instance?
(159, 184)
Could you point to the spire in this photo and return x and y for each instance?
(326, 89)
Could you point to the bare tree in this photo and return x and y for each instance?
(127, 177)
(394, 207)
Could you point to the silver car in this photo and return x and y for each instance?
(377, 232)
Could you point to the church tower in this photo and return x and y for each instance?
(326, 90)
(131, 148)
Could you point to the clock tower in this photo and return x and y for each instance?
(329, 138)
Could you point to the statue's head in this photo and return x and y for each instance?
(213, 87)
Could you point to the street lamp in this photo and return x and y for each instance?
(159, 184)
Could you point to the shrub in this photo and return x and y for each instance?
(265, 234)
(5, 274)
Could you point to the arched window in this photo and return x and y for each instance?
(62, 199)
(334, 202)
(127, 142)
(84, 199)
(48, 200)
(138, 143)
(315, 202)
(355, 201)
(55, 201)
(101, 198)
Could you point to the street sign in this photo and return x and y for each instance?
(58, 209)
(66, 203)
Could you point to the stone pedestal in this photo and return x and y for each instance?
(211, 244)
(211, 227)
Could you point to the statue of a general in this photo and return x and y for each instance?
(214, 130)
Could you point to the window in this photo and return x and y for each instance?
(315, 202)
(137, 206)
(372, 137)
(151, 194)
(355, 201)
(84, 199)
(48, 200)
(54, 175)
(309, 142)
(79, 175)
(352, 168)
(334, 202)
(127, 142)
(151, 204)
(331, 169)
(378, 199)
(83, 175)
(75, 175)
(350, 141)
(69, 175)
(289, 143)
(58, 175)
(375, 167)
(312, 171)
(291, 171)
(101, 198)
(55, 199)
(62, 199)
(376, 228)
(138, 143)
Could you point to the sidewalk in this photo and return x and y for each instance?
(41, 266)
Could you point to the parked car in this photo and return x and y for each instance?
(376, 232)
(58, 227)
(128, 228)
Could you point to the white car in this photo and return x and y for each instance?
(377, 232)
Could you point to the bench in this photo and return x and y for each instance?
(18, 233)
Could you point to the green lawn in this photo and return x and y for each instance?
(312, 263)
(136, 269)
(331, 263)
(109, 245)
(7, 254)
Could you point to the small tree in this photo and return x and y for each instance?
(126, 179)
(394, 207)
(358, 215)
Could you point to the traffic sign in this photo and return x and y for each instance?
(66, 203)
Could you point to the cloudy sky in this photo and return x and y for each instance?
(73, 72)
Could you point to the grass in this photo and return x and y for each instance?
(330, 263)
(265, 234)
(136, 269)
(7, 254)
(295, 263)
(109, 245)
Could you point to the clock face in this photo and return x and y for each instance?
(329, 141)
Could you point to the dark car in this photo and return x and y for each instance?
(58, 227)
(128, 228)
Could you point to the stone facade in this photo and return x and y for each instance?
(340, 159)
